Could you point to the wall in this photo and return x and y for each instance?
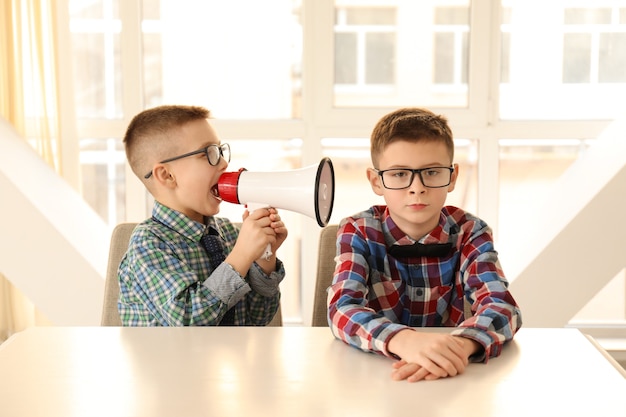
(53, 246)
(573, 243)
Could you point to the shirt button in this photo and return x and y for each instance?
(419, 292)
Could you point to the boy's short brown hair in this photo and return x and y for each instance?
(148, 136)
(411, 124)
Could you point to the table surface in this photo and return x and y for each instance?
(290, 371)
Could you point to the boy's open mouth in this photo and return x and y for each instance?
(216, 192)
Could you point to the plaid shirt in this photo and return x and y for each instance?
(166, 279)
(373, 295)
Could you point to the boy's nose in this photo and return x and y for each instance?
(416, 184)
(222, 164)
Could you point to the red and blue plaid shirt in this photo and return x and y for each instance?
(374, 295)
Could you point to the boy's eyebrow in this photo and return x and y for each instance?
(209, 143)
(428, 165)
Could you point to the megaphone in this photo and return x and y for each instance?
(309, 190)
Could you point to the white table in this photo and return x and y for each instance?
(289, 371)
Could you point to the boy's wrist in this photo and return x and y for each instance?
(397, 341)
(268, 266)
(471, 346)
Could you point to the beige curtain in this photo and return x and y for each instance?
(29, 101)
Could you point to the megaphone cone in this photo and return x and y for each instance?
(309, 190)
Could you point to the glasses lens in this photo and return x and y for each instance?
(436, 177)
(214, 152)
(397, 178)
(225, 150)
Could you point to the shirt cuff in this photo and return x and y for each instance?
(391, 329)
(479, 337)
(226, 284)
(263, 284)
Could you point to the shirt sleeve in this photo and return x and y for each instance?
(496, 316)
(350, 318)
(264, 284)
(261, 303)
(264, 299)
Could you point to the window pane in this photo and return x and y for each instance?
(153, 71)
(563, 63)
(151, 42)
(576, 57)
(452, 16)
(444, 61)
(95, 31)
(94, 9)
(587, 16)
(102, 164)
(150, 9)
(401, 52)
(612, 59)
(370, 16)
(241, 65)
(380, 57)
(345, 51)
(505, 56)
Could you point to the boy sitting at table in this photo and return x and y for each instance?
(416, 263)
(184, 265)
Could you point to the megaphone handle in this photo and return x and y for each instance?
(254, 206)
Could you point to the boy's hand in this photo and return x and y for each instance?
(279, 228)
(259, 228)
(428, 356)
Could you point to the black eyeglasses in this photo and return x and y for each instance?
(401, 178)
(213, 154)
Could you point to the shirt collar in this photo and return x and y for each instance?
(182, 224)
(395, 236)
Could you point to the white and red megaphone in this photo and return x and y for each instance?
(309, 190)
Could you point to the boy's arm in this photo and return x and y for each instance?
(496, 316)
(264, 298)
(263, 275)
(350, 319)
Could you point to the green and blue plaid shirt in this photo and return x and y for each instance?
(166, 279)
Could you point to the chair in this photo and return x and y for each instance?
(325, 270)
(119, 243)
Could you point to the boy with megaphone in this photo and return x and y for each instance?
(184, 266)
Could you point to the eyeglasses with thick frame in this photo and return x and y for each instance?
(401, 178)
(213, 154)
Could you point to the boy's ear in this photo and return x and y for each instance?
(163, 176)
(455, 175)
(375, 181)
